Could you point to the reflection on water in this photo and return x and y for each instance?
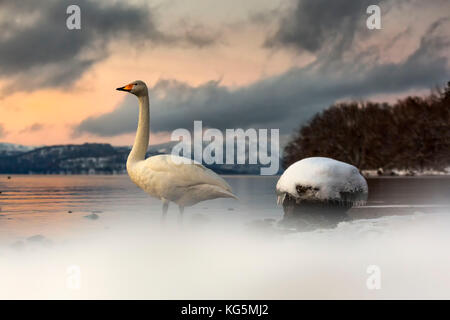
(312, 216)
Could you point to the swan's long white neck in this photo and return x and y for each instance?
(142, 135)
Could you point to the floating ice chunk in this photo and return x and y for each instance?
(92, 216)
(36, 238)
(39, 239)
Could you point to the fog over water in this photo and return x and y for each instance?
(111, 232)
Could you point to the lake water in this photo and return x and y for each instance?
(112, 231)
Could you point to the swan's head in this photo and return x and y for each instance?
(138, 88)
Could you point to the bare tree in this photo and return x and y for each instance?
(414, 133)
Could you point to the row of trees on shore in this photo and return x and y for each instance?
(412, 134)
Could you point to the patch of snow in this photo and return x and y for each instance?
(406, 172)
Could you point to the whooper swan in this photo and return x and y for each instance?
(168, 177)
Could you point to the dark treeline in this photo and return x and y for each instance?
(412, 134)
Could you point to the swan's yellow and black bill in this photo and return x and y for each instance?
(126, 88)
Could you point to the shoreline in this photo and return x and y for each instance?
(365, 174)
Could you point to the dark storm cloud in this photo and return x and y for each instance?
(281, 102)
(316, 25)
(328, 29)
(37, 49)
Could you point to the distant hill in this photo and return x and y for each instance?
(88, 158)
(71, 159)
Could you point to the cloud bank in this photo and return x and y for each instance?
(284, 101)
(316, 25)
(37, 49)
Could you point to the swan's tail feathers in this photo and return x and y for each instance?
(218, 192)
(203, 192)
(229, 194)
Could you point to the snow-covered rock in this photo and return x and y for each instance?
(318, 192)
(321, 179)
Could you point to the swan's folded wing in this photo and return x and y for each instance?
(184, 172)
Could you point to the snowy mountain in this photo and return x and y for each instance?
(8, 149)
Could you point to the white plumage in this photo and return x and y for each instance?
(165, 177)
(168, 177)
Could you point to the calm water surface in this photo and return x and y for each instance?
(26, 194)
(38, 199)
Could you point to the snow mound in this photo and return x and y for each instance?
(322, 179)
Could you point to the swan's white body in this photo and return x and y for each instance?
(167, 177)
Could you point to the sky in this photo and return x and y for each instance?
(232, 64)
